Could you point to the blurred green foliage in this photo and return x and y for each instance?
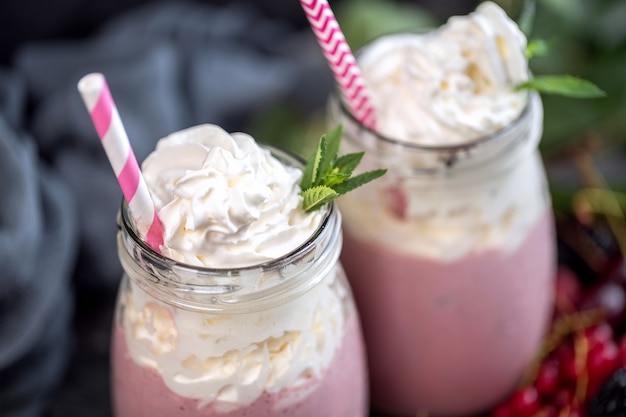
(588, 40)
(364, 20)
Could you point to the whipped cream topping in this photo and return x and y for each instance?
(233, 359)
(224, 201)
(450, 85)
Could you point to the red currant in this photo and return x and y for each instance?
(599, 333)
(610, 297)
(547, 380)
(525, 401)
(603, 360)
(563, 398)
(569, 290)
(502, 410)
(568, 367)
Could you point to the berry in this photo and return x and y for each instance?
(610, 400)
(602, 361)
(600, 333)
(563, 398)
(610, 297)
(568, 290)
(502, 410)
(525, 401)
(547, 380)
(568, 368)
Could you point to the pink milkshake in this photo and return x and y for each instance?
(451, 255)
(246, 311)
(141, 392)
(431, 326)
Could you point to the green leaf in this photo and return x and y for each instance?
(331, 141)
(565, 85)
(314, 198)
(311, 169)
(358, 181)
(327, 176)
(333, 179)
(347, 163)
(537, 47)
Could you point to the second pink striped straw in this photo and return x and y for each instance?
(97, 98)
(341, 60)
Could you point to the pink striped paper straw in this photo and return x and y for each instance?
(341, 60)
(95, 93)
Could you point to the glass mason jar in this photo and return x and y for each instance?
(451, 257)
(279, 338)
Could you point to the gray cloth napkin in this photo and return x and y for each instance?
(38, 244)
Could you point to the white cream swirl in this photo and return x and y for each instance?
(451, 85)
(224, 201)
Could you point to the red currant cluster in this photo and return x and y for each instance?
(583, 349)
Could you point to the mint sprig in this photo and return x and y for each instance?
(326, 176)
(565, 85)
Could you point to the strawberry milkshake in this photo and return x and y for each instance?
(451, 255)
(246, 311)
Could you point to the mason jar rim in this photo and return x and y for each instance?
(521, 117)
(127, 224)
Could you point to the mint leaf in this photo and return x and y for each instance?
(326, 176)
(331, 140)
(311, 169)
(566, 85)
(347, 163)
(314, 198)
(335, 178)
(361, 179)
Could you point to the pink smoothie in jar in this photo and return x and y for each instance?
(246, 311)
(141, 392)
(451, 255)
(433, 339)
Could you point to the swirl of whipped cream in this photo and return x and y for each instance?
(451, 85)
(223, 200)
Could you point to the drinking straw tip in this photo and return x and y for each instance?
(91, 82)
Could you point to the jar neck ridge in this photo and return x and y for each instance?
(252, 288)
(497, 150)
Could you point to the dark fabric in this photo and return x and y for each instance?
(169, 66)
(38, 243)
